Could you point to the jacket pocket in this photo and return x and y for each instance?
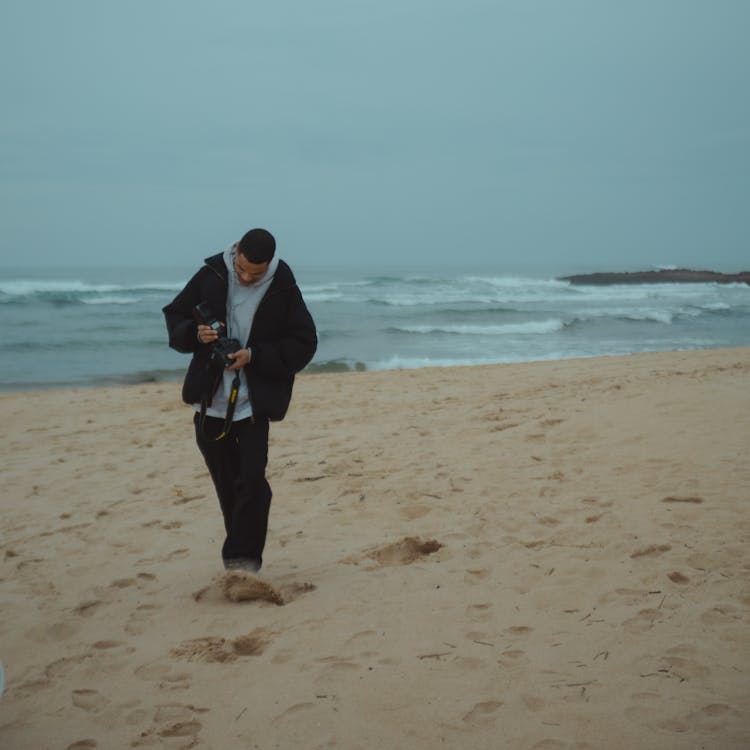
(201, 380)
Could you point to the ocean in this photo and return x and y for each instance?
(77, 328)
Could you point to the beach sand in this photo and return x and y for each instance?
(529, 556)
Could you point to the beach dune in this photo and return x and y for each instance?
(539, 556)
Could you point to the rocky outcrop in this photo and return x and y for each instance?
(662, 276)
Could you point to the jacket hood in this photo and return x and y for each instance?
(283, 277)
(264, 280)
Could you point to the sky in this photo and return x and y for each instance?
(598, 134)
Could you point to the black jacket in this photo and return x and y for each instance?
(282, 339)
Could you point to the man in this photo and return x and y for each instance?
(254, 293)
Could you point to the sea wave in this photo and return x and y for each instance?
(665, 317)
(533, 327)
(335, 365)
(84, 380)
(517, 282)
(324, 296)
(112, 299)
(403, 362)
(51, 290)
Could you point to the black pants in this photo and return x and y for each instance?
(237, 464)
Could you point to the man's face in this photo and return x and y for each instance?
(248, 272)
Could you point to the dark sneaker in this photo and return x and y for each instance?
(244, 564)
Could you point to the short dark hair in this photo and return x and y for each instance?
(258, 246)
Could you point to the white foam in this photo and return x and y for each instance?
(534, 327)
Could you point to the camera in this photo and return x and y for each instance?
(222, 346)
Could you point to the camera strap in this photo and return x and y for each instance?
(233, 393)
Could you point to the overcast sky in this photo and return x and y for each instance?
(611, 133)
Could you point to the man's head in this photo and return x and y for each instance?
(254, 252)
(258, 246)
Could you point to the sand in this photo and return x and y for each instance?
(545, 555)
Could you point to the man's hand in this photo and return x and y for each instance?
(206, 334)
(240, 357)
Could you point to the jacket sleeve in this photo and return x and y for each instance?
(181, 326)
(283, 357)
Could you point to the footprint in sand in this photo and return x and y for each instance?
(89, 700)
(175, 554)
(166, 525)
(414, 512)
(653, 550)
(87, 744)
(721, 614)
(244, 587)
(293, 711)
(548, 521)
(479, 612)
(172, 721)
(678, 663)
(140, 620)
(672, 499)
(107, 594)
(682, 663)
(405, 552)
(483, 714)
(87, 608)
(223, 650)
(61, 667)
(58, 631)
(363, 637)
(238, 587)
(513, 658)
(164, 675)
(647, 708)
(533, 703)
(476, 575)
(123, 583)
(643, 621)
(181, 498)
(676, 577)
(338, 664)
(106, 645)
(519, 630)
